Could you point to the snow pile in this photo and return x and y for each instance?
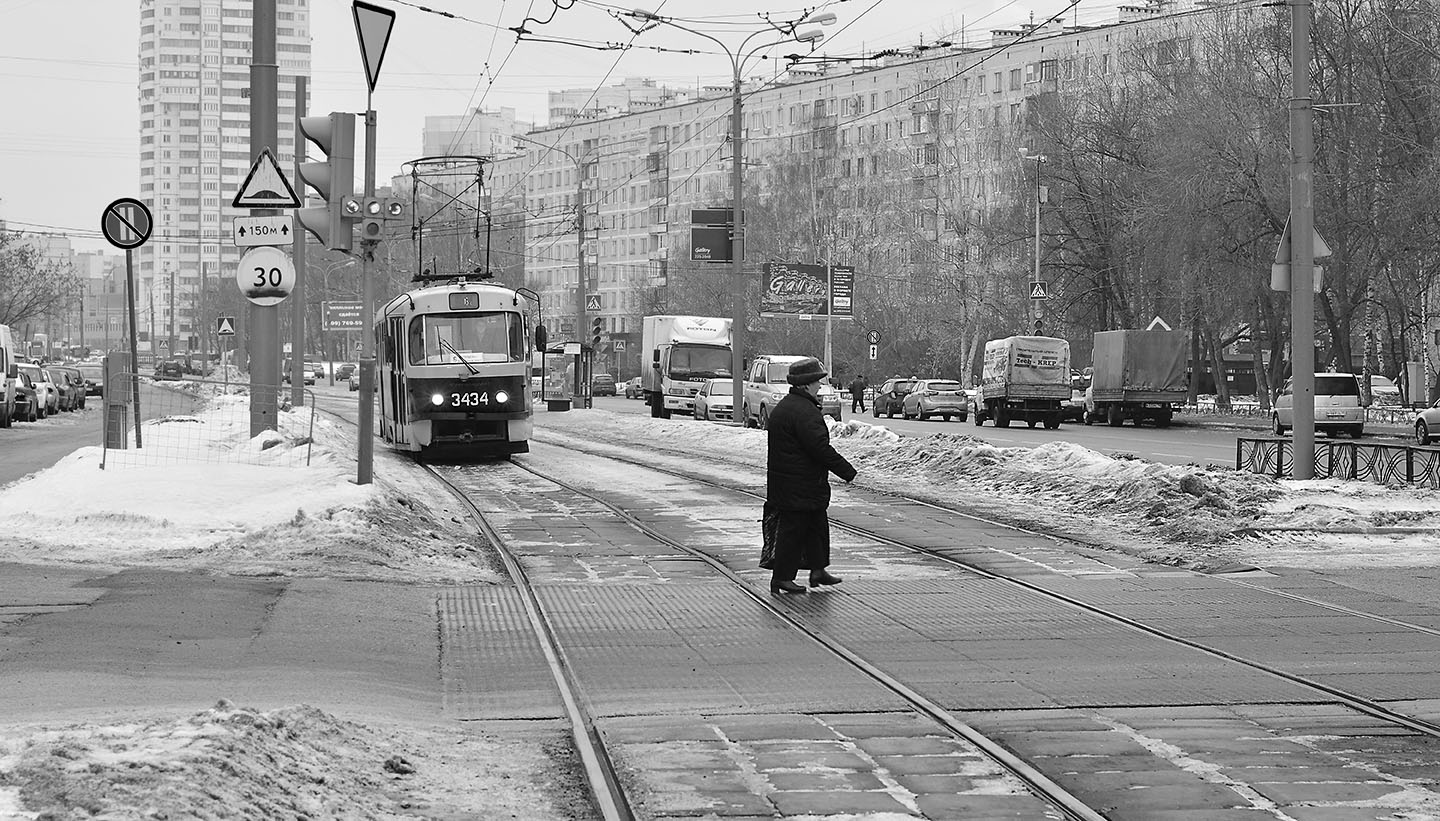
(296, 762)
(203, 494)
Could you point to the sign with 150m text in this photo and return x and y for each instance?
(802, 291)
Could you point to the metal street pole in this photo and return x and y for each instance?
(297, 253)
(365, 470)
(264, 320)
(1302, 247)
(737, 246)
(1037, 306)
(581, 323)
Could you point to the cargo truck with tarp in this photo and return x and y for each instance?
(1137, 375)
(1024, 379)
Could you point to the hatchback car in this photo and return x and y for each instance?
(94, 378)
(170, 369)
(634, 389)
(1337, 406)
(602, 384)
(935, 397)
(47, 397)
(72, 387)
(890, 396)
(716, 400)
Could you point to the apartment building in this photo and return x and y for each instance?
(194, 95)
(634, 176)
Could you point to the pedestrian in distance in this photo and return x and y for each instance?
(857, 393)
(797, 481)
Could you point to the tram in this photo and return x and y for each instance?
(453, 370)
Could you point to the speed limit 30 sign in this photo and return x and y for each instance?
(265, 276)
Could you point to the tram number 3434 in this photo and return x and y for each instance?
(472, 399)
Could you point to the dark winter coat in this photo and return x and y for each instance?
(857, 387)
(800, 457)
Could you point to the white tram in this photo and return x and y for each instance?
(453, 370)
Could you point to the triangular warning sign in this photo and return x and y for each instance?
(372, 26)
(265, 186)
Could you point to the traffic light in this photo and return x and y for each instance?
(597, 326)
(333, 180)
(377, 211)
(1038, 325)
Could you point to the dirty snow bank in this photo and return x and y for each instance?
(296, 762)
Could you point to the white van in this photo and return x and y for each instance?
(8, 374)
(1337, 406)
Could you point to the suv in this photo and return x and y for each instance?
(890, 399)
(1337, 406)
(170, 369)
(602, 384)
(766, 384)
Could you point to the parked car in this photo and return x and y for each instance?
(47, 398)
(72, 387)
(633, 389)
(716, 401)
(1337, 406)
(27, 405)
(889, 399)
(1427, 423)
(343, 371)
(170, 370)
(935, 397)
(94, 378)
(602, 384)
(1383, 391)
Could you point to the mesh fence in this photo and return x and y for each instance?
(198, 421)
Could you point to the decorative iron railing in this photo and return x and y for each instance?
(1378, 462)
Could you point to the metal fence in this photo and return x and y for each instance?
(1378, 414)
(201, 421)
(1376, 462)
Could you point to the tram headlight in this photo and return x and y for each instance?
(437, 399)
(502, 397)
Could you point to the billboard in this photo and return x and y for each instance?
(804, 291)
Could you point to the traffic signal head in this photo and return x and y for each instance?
(1038, 325)
(597, 326)
(376, 211)
(333, 179)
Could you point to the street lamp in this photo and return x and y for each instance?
(1038, 305)
(738, 56)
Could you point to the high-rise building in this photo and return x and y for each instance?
(194, 93)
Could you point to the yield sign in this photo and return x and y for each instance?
(372, 26)
(265, 186)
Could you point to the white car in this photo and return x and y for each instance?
(1383, 391)
(716, 400)
(1337, 406)
(1427, 424)
(47, 396)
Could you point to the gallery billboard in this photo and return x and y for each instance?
(804, 291)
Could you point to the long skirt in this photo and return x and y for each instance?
(794, 540)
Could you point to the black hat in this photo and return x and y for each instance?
(806, 371)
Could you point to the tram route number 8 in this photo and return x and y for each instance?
(265, 275)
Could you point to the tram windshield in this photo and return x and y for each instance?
(446, 339)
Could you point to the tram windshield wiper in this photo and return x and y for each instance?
(463, 360)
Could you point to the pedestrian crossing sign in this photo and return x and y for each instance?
(1039, 289)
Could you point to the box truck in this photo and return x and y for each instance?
(1137, 375)
(1024, 379)
(681, 352)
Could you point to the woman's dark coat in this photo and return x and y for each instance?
(800, 456)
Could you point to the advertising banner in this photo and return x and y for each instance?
(804, 291)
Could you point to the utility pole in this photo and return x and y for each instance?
(1302, 245)
(264, 322)
(297, 254)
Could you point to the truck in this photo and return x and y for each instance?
(1137, 375)
(681, 352)
(1024, 378)
(9, 358)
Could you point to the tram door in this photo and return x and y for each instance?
(392, 381)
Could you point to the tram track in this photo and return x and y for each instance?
(603, 780)
(1357, 702)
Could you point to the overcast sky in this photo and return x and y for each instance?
(69, 118)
